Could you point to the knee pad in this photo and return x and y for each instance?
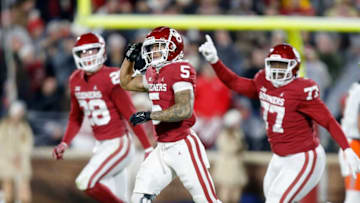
(142, 198)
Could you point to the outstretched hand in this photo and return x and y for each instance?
(208, 50)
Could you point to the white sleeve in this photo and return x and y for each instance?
(180, 86)
(145, 83)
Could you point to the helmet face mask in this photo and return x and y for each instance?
(281, 65)
(155, 52)
(89, 52)
(161, 46)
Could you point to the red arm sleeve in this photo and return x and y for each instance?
(126, 107)
(75, 119)
(239, 84)
(318, 111)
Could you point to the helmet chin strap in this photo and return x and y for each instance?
(282, 83)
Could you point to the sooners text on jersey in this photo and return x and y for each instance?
(160, 86)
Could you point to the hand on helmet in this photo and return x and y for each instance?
(133, 51)
(140, 64)
(208, 50)
(352, 161)
(59, 150)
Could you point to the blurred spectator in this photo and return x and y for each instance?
(114, 6)
(191, 54)
(241, 7)
(33, 66)
(278, 37)
(297, 7)
(209, 111)
(54, 9)
(256, 63)
(317, 70)
(342, 8)
(115, 50)
(142, 7)
(61, 56)
(50, 98)
(272, 7)
(16, 142)
(228, 52)
(21, 10)
(328, 44)
(229, 171)
(208, 7)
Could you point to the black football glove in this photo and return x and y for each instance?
(132, 51)
(140, 64)
(140, 117)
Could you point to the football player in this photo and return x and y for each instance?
(170, 82)
(351, 126)
(96, 94)
(289, 106)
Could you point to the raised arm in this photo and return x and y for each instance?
(239, 84)
(128, 80)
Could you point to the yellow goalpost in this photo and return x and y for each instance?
(293, 25)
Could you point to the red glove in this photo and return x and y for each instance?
(147, 152)
(59, 150)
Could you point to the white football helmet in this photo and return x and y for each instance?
(93, 62)
(168, 43)
(282, 53)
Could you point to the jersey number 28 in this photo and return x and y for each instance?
(97, 111)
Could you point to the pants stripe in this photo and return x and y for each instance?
(308, 176)
(197, 170)
(90, 183)
(119, 160)
(211, 185)
(296, 179)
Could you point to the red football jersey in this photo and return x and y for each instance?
(104, 102)
(288, 111)
(162, 85)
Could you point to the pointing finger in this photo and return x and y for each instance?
(208, 38)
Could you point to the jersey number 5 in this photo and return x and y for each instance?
(97, 111)
(280, 113)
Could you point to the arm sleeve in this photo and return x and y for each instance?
(318, 111)
(239, 84)
(126, 107)
(75, 119)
